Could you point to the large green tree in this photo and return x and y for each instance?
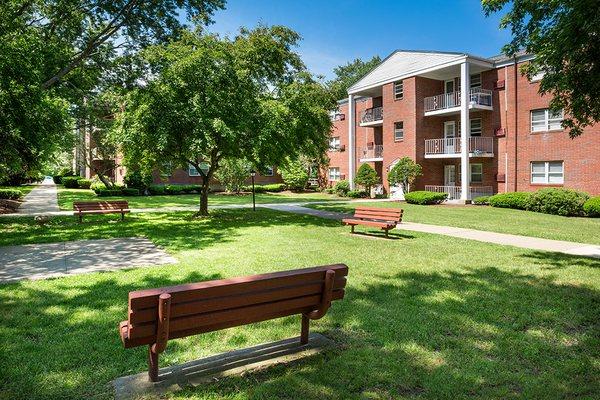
(564, 35)
(212, 98)
(348, 74)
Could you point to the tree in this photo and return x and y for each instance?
(366, 176)
(295, 175)
(214, 98)
(350, 73)
(564, 36)
(233, 173)
(404, 173)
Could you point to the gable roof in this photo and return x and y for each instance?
(406, 63)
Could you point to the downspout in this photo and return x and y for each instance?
(516, 122)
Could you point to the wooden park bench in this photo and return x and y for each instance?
(384, 218)
(100, 207)
(157, 315)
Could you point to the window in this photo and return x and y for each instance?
(475, 81)
(334, 174)
(166, 169)
(398, 90)
(334, 143)
(398, 131)
(547, 172)
(268, 171)
(537, 77)
(476, 127)
(192, 171)
(545, 120)
(476, 173)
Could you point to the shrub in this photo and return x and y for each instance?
(130, 192)
(57, 179)
(97, 185)
(357, 194)
(517, 200)
(424, 197)
(232, 173)
(173, 189)
(70, 182)
(294, 175)
(274, 187)
(156, 189)
(481, 200)
(108, 192)
(565, 202)
(329, 190)
(366, 176)
(592, 207)
(404, 173)
(135, 179)
(84, 183)
(342, 188)
(10, 194)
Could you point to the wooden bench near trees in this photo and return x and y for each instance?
(384, 218)
(157, 315)
(100, 207)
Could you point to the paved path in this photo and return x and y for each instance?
(526, 242)
(50, 260)
(42, 199)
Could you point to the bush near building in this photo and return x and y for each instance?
(424, 197)
(70, 182)
(558, 201)
(592, 207)
(516, 200)
(342, 188)
(481, 200)
(367, 177)
(84, 183)
(10, 194)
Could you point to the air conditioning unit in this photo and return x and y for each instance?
(500, 132)
(500, 178)
(343, 147)
(498, 85)
(342, 176)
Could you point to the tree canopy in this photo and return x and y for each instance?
(404, 173)
(564, 36)
(366, 176)
(212, 98)
(348, 74)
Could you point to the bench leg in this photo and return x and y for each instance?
(352, 231)
(122, 216)
(152, 365)
(80, 218)
(304, 331)
(386, 233)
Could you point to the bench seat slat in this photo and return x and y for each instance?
(378, 224)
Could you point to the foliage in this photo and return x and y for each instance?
(424, 197)
(97, 185)
(294, 175)
(10, 194)
(70, 181)
(156, 189)
(592, 207)
(136, 179)
(108, 192)
(366, 176)
(563, 36)
(249, 97)
(233, 173)
(83, 183)
(516, 200)
(558, 201)
(341, 188)
(358, 194)
(272, 187)
(481, 200)
(130, 191)
(404, 172)
(350, 73)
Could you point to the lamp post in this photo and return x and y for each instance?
(253, 174)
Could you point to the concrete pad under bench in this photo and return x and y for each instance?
(206, 370)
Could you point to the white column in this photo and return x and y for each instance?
(351, 140)
(465, 128)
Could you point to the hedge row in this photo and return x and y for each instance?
(10, 194)
(273, 187)
(557, 201)
(424, 197)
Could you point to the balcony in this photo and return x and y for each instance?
(372, 117)
(372, 153)
(450, 147)
(449, 103)
(454, 192)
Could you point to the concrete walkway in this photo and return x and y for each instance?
(50, 260)
(42, 199)
(525, 242)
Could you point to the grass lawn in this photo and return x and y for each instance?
(517, 222)
(425, 316)
(67, 196)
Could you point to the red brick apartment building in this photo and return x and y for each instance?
(412, 105)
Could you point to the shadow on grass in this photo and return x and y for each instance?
(552, 260)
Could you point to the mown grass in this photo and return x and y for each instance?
(66, 197)
(485, 218)
(425, 316)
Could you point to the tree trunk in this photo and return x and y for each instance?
(203, 211)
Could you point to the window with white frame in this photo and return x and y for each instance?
(398, 90)
(476, 126)
(476, 173)
(475, 81)
(545, 120)
(398, 131)
(547, 172)
(268, 171)
(334, 174)
(537, 77)
(192, 171)
(334, 143)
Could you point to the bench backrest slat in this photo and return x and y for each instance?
(100, 205)
(385, 214)
(207, 306)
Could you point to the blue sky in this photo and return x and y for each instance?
(335, 32)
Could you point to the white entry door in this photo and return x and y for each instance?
(449, 175)
(450, 144)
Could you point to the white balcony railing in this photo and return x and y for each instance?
(372, 152)
(478, 146)
(477, 96)
(371, 115)
(454, 192)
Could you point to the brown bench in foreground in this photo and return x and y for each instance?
(157, 315)
(100, 207)
(384, 218)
